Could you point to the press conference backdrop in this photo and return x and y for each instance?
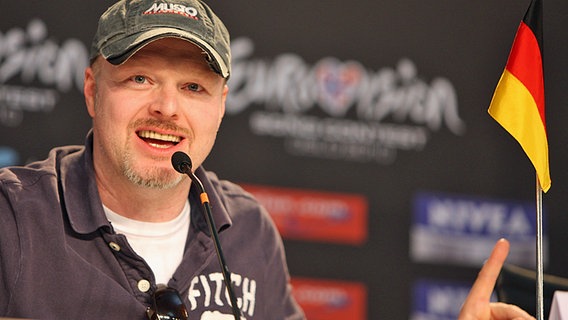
(362, 126)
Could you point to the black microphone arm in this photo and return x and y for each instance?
(182, 163)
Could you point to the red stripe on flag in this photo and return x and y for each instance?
(525, 63)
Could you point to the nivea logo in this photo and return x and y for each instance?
(454, 215)
(438, 300)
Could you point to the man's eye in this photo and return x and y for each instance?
(193, 87)
(139, 79)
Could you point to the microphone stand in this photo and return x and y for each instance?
(184, 166)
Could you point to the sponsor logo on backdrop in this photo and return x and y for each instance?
(435, 300)
(8, 156)
(462, 230)
(35, 70)
(340, 109)
(330, 299)
(315, 215)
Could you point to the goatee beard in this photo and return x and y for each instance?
(153, 178)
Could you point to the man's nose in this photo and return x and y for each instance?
(166, 103)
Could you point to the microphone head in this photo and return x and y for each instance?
(181, 162)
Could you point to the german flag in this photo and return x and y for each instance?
(518, 101)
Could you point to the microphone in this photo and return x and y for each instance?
(182, 164)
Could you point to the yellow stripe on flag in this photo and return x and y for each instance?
(514, 108)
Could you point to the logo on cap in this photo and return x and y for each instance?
(161, 8)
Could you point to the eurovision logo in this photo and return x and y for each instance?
(340, 109)
(41, 68)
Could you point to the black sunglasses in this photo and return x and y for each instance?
(167, 305)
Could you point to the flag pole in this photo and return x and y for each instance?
(539, 254)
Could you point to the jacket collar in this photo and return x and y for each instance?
(219, 210)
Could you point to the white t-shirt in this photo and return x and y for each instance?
(161, 244)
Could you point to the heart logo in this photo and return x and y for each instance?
(338, 85)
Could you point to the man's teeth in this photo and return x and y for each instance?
(158, 137)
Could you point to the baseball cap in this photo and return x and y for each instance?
(128, 25)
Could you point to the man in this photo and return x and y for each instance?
(91, 232)
(97, 232)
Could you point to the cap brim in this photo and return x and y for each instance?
(130, 45)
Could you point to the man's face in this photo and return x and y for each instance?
(164, 99)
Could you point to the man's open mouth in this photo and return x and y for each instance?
(159, 140)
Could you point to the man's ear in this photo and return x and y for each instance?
(89, 90)
(224, 100)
